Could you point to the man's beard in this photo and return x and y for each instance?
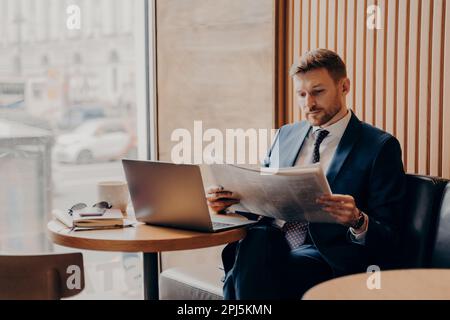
(326, 116)
(330, 115)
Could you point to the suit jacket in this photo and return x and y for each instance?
(368, 166)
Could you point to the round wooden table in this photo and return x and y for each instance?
(150, 240)
(410, 284)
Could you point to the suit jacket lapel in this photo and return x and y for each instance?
(293, 144)
(346, 144)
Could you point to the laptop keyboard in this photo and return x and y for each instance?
(217, 225)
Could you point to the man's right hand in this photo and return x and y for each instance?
(219, 199)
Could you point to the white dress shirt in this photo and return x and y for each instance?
(327, 150)
(327, 147)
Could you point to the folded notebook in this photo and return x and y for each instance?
(112, 218)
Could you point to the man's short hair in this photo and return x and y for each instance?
(320, 58)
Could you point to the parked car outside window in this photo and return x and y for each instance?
(96, 140)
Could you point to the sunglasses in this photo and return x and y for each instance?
(100, 205)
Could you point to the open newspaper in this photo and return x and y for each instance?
(287, 194)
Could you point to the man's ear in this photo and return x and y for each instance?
(345, 86)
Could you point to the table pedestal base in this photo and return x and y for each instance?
(151, 276)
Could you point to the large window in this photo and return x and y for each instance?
(69, 77)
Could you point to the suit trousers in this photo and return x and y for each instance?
(263, 267)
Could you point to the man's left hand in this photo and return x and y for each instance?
(341, 207)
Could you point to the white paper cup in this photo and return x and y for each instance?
(115, 193)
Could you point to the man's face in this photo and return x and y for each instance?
(319, 96)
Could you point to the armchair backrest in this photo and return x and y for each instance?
(423, 199)
(441, 250)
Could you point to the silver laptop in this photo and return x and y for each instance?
(173, 195)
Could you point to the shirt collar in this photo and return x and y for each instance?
(336, 130)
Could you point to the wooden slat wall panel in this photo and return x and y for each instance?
(332, 24)
(413, 86)
(370, 72)
(380, 71)
(297, 8)
(360, 58)
(314, 23)
(391, 53)
(305, 24)
(401, 125)
(341, 28)
(390, 103)
(445, 145)
(436, 89)
(400, 74)
(323, 23)
(424, 88)
(300, 9)
(292, 49)
(351, 48)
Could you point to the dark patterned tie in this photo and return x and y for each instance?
(320, 136)
(296, 231)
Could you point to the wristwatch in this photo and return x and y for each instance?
(360, 221)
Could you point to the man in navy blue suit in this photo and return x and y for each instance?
(364, 168)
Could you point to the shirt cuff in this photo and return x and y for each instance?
(359, 238)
